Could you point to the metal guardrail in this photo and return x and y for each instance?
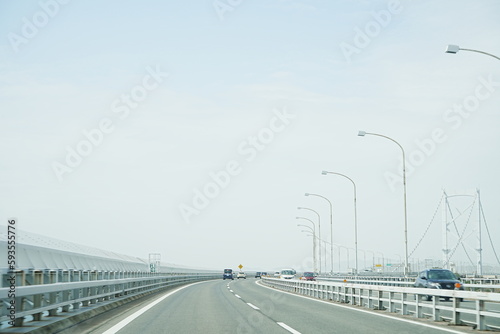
(399, 300)
(476, 286)
(485, 284)
(39, 293)
(485, 279)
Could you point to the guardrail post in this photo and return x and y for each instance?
(65, 277)
(345, 297)
(51, 278)
(481, 325)
(37, 299)
(435, 311)
(392, 307)
(404, 306)
(95, 290)
(380, 302)
(76, 276)
(456, 314)
(418, 307)
(85, 291)
(20, 280)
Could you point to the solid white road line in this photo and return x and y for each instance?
(133, 316)
(288, 328)
(237, 296)
(365, 311)
(253, 306)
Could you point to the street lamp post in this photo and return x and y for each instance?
(331, 227)
(347, 256)
(319, 231)
(314, 245)
(455, 48)
(373, 258)
(363, 133)
(314, 240)
(399, 257)
(355, 217)
(383, 260)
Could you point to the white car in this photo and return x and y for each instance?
(288, 273)
(241, 275)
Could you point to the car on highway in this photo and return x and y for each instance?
(308, 276)
(258, 274)
(438, 279)
(287, 273)
(276, 274)
(228, 274)
(241, 275)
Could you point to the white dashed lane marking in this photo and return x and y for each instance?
(253, 306)
(288, 328)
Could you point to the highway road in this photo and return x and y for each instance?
(243, 306)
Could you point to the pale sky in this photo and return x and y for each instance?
(116, 118)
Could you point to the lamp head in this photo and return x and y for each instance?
(324, 172)
(361, 133)
(452, 48)
(307, 194)
(299, 207)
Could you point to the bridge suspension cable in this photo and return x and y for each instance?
(460, 236)
(454, 220)
(428, 226)
(488, 231)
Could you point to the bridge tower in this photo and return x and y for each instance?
(469, 203)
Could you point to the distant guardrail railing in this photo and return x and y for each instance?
(400, 299)
(486, 284)
(32, 295)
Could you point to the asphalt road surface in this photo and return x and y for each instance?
(243, 306)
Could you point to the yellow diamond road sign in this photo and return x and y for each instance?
(240, 266)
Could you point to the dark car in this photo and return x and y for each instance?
(228, 273)
(438, 279)
(258, 274)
